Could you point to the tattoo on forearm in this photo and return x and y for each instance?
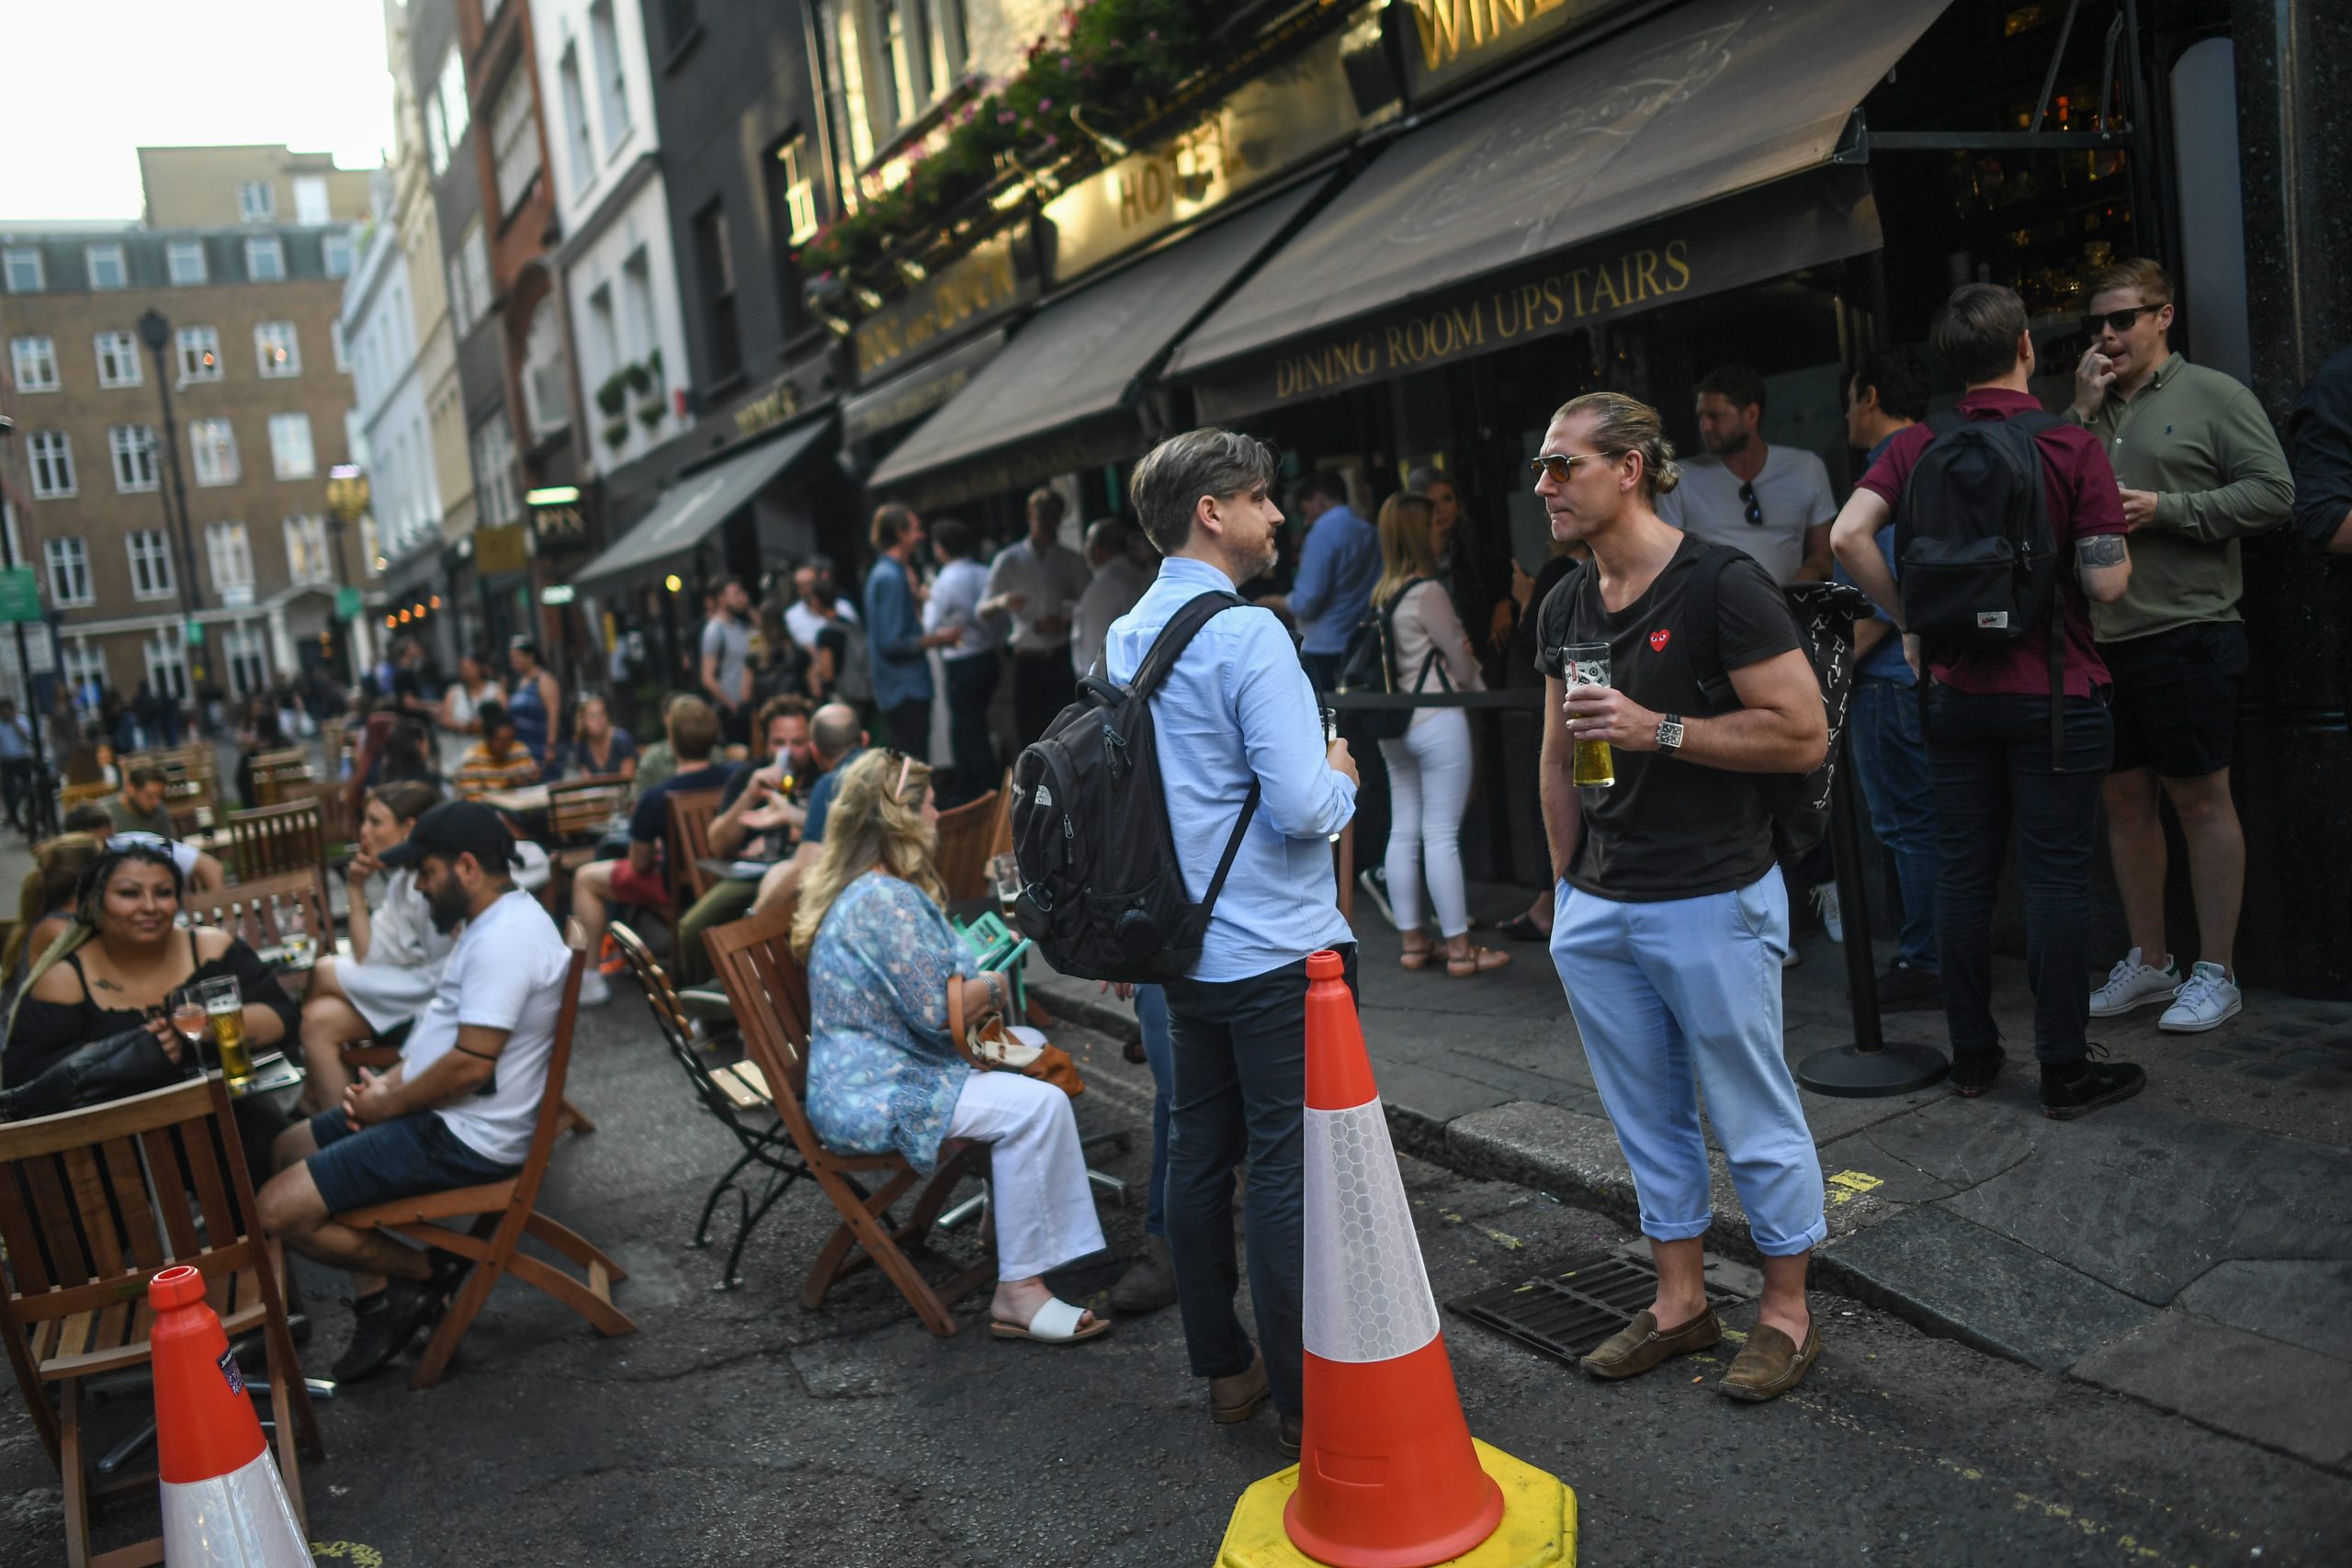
(2100, 549)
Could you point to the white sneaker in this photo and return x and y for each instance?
(2207, 1000)
(1833, 918)
(594, 989)
(2131, 984)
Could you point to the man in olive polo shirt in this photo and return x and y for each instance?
(2199, 468)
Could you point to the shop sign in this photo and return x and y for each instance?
(506, 548)
(19, 595)
(1112, 439)
(40, 650)
(559, 525)
(347, 603)
(917, 392)
(1726, 244)
(1271, 124)
(1447, 40)
(787, 398)
(995, 276)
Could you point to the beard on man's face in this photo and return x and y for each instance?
(448, 905)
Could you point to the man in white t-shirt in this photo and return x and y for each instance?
(1120, 578)
(1037, 581)
(807, 614)
(461, 1106)
(1773, 503)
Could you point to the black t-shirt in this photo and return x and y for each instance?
(1670, 827)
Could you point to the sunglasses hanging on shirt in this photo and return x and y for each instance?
(1754, 512)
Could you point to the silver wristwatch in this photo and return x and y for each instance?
(1670, 732)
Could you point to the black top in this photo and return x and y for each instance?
(1669, 829)
(48, 1031)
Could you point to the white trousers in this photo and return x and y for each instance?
(1044, 1213)
(1428, 788)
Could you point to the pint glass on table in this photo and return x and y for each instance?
(1587, 664)
(224, 1006)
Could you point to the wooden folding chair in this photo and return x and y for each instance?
(273, 839)
(578, 811)
(690, 816)
(504, 1212)
(962, 858)
(73, 794)
(274, 772)
(93, 1204)
(770, 990)
(255, 911)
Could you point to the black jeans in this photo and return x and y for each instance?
(1042, 684)
(971, 683)
(16, 786)
(1240, 1050)
(1990, 756)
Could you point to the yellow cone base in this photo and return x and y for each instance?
(1539, 1528)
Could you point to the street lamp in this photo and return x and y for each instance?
(34, 720)
(156, 331)
(348, 494)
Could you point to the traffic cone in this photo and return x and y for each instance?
(1389, 1474)
(224, 1505)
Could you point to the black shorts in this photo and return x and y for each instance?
(404, 1157)
(2175, 699)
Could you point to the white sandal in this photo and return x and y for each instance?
(1056, 1322)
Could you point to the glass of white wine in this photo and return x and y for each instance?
(189, 1015)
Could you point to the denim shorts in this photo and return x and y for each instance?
(404, 1157)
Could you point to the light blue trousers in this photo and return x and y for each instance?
(1679, 998)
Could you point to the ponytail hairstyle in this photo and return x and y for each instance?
(47, 888)
(1621, 425)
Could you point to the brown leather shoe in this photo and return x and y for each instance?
(1772, 1365)
(1149, 1282)
(1294, 1432)
(1642, 1345)
(1240, 1396)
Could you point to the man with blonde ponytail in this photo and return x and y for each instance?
(1670, 917)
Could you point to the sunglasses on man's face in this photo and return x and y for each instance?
(2117, 322)
(1560, 466)
(1754, 512)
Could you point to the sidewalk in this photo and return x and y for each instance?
(2192, 1249)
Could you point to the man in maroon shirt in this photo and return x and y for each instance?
(1989, 733)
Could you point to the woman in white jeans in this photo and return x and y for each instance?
(1429, 766)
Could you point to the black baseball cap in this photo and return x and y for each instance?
(457, 828)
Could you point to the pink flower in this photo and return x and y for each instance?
(1045, 106)
(1153, 35)
(1051, 139)
(1005, 116)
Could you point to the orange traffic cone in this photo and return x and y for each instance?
(224, 1505)
(1389, 1474)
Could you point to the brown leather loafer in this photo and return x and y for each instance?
(1240, 1396)
(1772, 1365)
(1642, 1345)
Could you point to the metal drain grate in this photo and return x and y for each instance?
(1569, 1310)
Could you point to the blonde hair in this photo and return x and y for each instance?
(2138, 273)
(47, 888)
(1408, 548)
(876, 822)
(1623, 425)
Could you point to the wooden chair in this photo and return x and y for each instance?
(254, 911)
(770, 990)
(93, 1204)
(1001, 835)
(690, 815)
(73, 794)
(503, 1212)
(578, 810)
(275, 838)
(275, 774)
(962, 858)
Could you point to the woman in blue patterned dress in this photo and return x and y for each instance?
(883, 1073)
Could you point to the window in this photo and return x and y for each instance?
(335, 251)
(515, 143)
(309, 198)
(84, 666)
(494, 472)
(106, 266)
(799, 191)
(52, 455)
(289, 447)
(265, 260)
(214, 445)
(117, 360)
(307, 558)
(575, 121)
(69, 571)
(849, 70)
(460, 314)
(200, 354)
(279, 348)
(456, 109)
(256, 201)
(232, 556)
(477, 255)
(716, 268)
(944, 21)
(243, 645)
(341, 347)
(24, 270)
(611, 87)
(898, 51)
(151, 563)
(546, 402)
(166, 653)
(436, 136)
(183, 261)
(134, 457)
(35, 361)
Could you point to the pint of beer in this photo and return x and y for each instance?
(1587, 664)
(224, 1006)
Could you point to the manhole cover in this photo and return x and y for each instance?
(1569, 1310)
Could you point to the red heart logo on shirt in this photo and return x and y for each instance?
(1658, 639)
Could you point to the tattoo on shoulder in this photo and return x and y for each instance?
(2100, 549)
(103, 983)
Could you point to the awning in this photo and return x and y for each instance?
(1062, 391)
(1471, 218)
(912, 394)
(701, 500)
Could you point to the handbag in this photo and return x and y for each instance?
(129, 1063)
(992, 1045)
(1370, 665)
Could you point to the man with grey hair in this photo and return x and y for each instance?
(1119, 580)
(1242, 741)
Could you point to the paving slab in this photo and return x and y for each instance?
(2278, 1394)
(1933, 1267)
(2297, 1301)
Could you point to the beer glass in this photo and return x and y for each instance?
(1587, 664)
(1005, 875)
(224, 1005)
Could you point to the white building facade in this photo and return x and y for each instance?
(391, 436)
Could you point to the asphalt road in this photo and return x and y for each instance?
(736, 1427)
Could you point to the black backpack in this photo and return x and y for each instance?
(1370, 665)
(1102, 893)
(1977, 561)
(1825, 613)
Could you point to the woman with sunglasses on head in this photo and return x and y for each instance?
(883, 1073)
(397, 952)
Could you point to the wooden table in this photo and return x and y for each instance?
(530, 798)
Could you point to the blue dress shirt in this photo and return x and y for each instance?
(1885, 661)
(1337, 568)
(894, 636)
(1238, 706)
